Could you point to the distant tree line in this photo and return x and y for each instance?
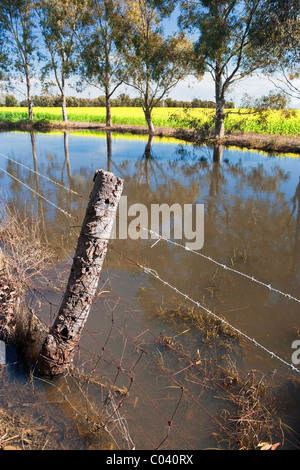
(123, 100)
(105, 44)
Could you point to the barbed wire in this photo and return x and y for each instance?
(44, 176)
(118, 363)
(40, 195)
(222, 265)
(154, 274)
(160, 237)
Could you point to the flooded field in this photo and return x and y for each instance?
(155, 363)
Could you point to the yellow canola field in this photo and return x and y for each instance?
(286, 122)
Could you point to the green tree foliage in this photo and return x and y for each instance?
(274, 100)
(276, 35)
(222, 43)
(19, 44)
(101, 64)
(59, 20)
(10, 101)
(155, 64)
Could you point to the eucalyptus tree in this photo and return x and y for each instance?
(59, 20)
(19, 44)
(222, 29)
(155, 64)
(101, 64)
(276, 36)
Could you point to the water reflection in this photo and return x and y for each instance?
(247, 200)
(252, 223)
(296, 203)
(217, 153)
(146, 161)
(67, 158)
(247, 205)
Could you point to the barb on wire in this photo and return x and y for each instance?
(158, 236)
(154, 274)
(40, 195)
(118, 364)
(43, 176)
(222, 265)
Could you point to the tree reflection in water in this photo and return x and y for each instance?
(250, 224)
(248, 220)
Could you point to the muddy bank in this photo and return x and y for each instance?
(267, 143)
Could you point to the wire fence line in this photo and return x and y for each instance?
(117, 364)
(222, 265)
(43, 176)
(107, 359)
(154, 274)
(67, 214)
(158, 236)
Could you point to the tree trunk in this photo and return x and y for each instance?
(30, 108)
(108, 111)
(148, 118)
(64, 108)
(61, 343)
(63, 100)
(29, 97)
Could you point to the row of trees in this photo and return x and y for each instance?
(106, 43)
(122, 100)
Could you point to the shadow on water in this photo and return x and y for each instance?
(252, 224)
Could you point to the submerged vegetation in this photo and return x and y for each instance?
(33, 421)
(212, 348)
(248, 409)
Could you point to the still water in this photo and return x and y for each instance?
(251, 224)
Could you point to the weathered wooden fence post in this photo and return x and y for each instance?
(61, 342)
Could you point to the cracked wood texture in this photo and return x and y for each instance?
(62, 340)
